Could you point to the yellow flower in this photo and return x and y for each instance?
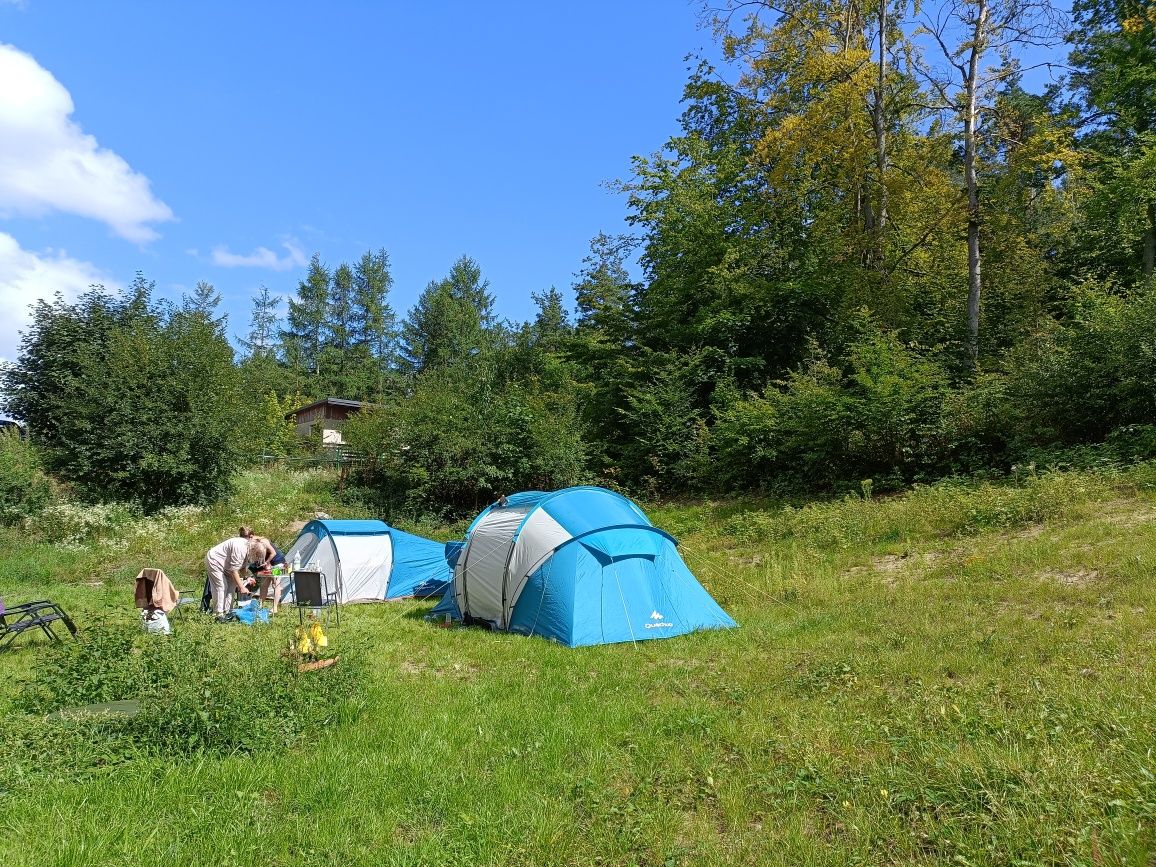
(846, 803)
(883, 794)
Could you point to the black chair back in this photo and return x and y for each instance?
(309, 589)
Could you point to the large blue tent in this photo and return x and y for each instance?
(580, 566)
(370, 560)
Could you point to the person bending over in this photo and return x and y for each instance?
(224, 563)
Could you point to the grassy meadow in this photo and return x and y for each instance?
(962, 674)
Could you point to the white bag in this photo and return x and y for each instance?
(155, 622)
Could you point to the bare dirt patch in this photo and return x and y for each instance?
(1032, 531)
(888, 566)
(1071, 577)
(1126, 513)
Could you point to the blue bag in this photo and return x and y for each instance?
(251, 613)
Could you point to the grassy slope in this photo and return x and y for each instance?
(960, 674)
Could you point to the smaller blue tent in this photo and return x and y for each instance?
(580, 566)
(370, 560)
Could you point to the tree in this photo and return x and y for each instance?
(262, 339)
(129, 400)
(260, 366)
(969, 33)
(603, 347)
(1114, 53)
(551, 325)
(374, 328)
(204, 303)
(304, 338)
(333, 364)
(452, 321)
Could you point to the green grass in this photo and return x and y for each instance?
(962, 675)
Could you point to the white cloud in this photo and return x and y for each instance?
(26, 276)
(262, 257)
(48, 163)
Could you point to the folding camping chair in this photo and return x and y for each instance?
(147, 577)
(40, 615)
(311, 590)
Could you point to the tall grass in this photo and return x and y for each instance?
(960, 675)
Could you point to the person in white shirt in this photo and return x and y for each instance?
(225, 563)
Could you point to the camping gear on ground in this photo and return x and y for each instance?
(310, 638)
(155, 622)
(366, 560)
(128, 707)
(18, 619)
(580, 566)
(206, 601)
(432, 588)
(312, 591)
(250, 613)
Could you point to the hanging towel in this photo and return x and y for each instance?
(154, 590)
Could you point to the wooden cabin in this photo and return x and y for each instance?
(327, 417)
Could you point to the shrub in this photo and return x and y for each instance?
(460, 440)
(666, 443)
(1080, 378)
(129, 400)
(202, 689)
(876, 413)
(25, 491)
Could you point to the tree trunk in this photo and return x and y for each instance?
(879, 121)
(1150, 242)
(970, 135)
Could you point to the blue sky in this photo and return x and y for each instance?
(228, 142)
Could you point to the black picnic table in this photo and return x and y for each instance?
(18, 619)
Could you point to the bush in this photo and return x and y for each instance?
(129, 400)
(25, 491)
(666, 446)
(875, 414)
(202, 689)
(460, 440)
(1078, 379)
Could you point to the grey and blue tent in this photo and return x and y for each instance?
(370, 560)
(580, 566)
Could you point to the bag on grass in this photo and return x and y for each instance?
(251, 613)
(155, 622)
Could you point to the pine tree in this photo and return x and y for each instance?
(551, 324)
(452, 322)
(374, 327)
(304, 338)
(339, 314)
(262, 339)
(204, 302)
